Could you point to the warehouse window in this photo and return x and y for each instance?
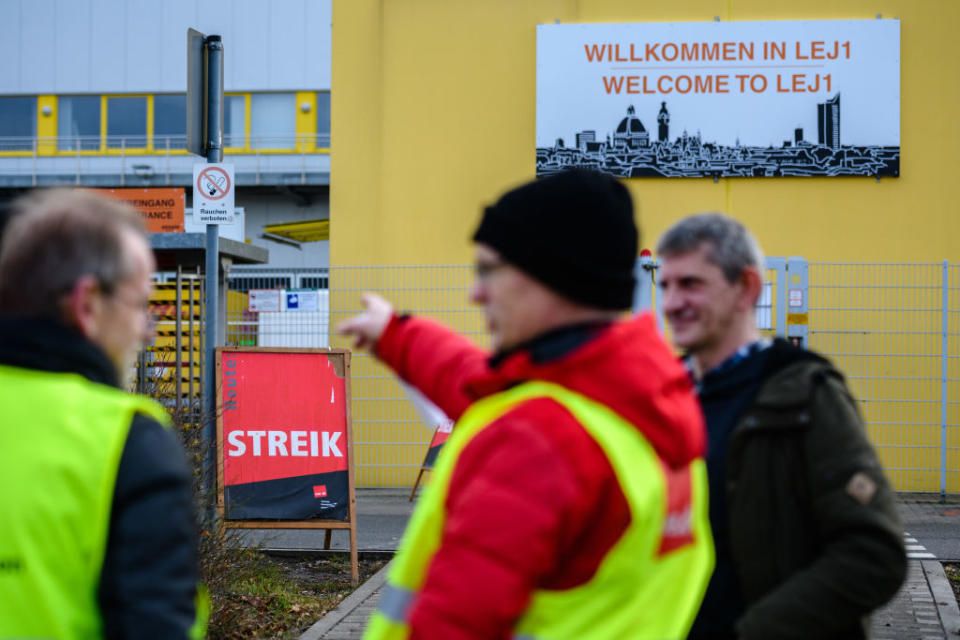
(170, 121)
(18, 119)
(323, 119)
(127, 122)
(273, 120)
(78, 123)
(234, 121)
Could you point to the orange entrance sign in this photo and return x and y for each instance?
(162, 209)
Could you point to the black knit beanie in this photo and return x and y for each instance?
(573, 231)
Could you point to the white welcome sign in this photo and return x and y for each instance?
(720, 98)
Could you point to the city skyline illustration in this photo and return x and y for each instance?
(631, 149)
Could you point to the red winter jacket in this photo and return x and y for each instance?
(533, 502)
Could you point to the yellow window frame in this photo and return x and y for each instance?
(246, 124)
(47, 136)
(104, 117)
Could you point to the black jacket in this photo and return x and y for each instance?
(813, 532)
(149, 576)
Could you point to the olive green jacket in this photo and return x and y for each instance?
(814, 530)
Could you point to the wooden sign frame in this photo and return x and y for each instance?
(343, 355)
(423, 465)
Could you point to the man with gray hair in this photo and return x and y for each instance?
(808, 540)
(98, 536)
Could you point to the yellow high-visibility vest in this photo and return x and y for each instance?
(61, 439)
(650, 583)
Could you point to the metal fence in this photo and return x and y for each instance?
(170, 369)
(893, 329)
(389, 439)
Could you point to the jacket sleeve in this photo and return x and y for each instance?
(433, 359)
(515, 503)
(861, 561)
(149, 577)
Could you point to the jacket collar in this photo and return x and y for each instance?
(624, 365)
(784, 399)
(552, 344)
(49, 345)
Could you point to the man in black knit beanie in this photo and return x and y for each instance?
(569, 500)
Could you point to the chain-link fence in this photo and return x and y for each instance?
(302, 308)
(893, 329)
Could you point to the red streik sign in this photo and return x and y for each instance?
(440, 436)
(284, 436)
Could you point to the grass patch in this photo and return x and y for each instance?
(953, 575)
(264, 597)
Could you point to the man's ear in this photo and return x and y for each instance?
(82, 306)
(752, 287)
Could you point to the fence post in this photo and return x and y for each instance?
(944, 371)
(782, 286)
(798, 299)
(178, 327)
(643, 292)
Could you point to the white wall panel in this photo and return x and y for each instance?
(10, 50)
(127, 46)
(172, 40)
(37, 47)
(287, 45)
(72, 40)
(142, 60)
(250, 58)
(318, 38)
(109, 47)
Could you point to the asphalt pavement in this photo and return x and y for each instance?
(381, 518)
(935, 525)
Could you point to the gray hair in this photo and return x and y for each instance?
(57, 236)
(729, 245)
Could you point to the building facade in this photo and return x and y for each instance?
(92, 93)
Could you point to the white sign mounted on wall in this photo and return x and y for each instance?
(213, 193)
(771, 98)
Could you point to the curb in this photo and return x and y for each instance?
(351, 602)
(943, 597)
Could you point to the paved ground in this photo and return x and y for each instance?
(924, 608)
(935, 525)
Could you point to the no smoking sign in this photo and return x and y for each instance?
(213, 193)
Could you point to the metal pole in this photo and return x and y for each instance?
(211, 322)
(643, 291)
(178, 327)
(944, 372)
(782, 285)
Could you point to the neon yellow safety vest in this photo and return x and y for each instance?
(61, 438)
(650, 583)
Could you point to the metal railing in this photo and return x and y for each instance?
(160, 160)
(159, 144)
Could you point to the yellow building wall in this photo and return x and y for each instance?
(434, 115)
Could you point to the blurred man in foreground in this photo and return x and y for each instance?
(807, 536)
(98, 536)
(569, 502)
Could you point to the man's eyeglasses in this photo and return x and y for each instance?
(483, 270)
